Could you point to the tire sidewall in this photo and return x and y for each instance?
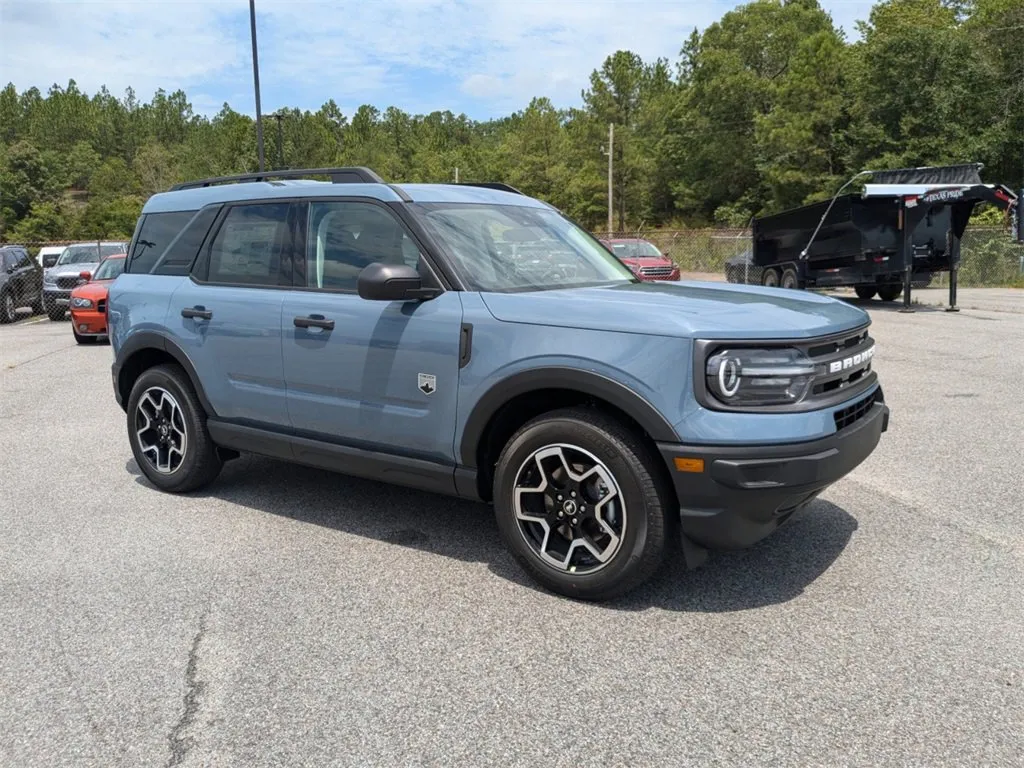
(572, 432)
(161, 377)
(8, 312)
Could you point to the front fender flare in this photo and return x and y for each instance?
(557, 377)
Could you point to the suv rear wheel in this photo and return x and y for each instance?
(167, 431)
(579, 506)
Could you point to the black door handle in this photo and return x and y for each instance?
(200, 312)
(313, 321)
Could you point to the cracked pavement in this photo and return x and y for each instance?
(287, 616)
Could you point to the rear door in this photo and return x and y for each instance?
(228, 313)
(381, 375)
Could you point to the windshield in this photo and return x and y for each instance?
(634, 249)
(109, 269)
(514, 248)
(87, 254)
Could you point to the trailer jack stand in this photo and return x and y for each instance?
(954, 268)
(908, 279)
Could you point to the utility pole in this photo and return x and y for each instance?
(611, 148)
(280, 140)
(256, 80)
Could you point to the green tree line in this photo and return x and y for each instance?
(768, 108)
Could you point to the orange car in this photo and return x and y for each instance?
(89, 300)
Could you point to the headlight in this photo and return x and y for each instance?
(759, 376)
(80, 303)
(49, 279)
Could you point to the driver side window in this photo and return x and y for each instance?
(344, 237)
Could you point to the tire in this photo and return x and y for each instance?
(770, 277)
(7, 308)
(37, 306)
(732, 275)
(790, 279)
(865, 291)
(55, 312)
(636, 522)
(196, 461)
(890, 292)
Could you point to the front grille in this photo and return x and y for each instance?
(67, 283)
(845, 360)
(655, 271)
(851, 414)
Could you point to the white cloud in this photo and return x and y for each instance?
(485, 56)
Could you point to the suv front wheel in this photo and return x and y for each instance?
(167, 431)
(579, 506)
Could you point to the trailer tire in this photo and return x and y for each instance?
(865, 291)
(770, 278)
(790, 279)
(890, 292)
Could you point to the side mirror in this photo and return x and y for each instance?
(49, 260)
(85, 277)
(392, 282)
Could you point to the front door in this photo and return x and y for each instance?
(382, 375)
(227, 316)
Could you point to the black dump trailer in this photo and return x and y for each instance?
(905, 226)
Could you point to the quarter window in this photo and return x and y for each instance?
(157, 232)
(344, 237)
(248, 247)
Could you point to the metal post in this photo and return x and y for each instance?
(256, 80)
(907, 252)
(954, 267)
(611, 148)
(456, 174)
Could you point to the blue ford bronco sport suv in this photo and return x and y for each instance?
(469, 340)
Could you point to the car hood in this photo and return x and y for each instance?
(646, 261)
(71, 270)
(97, 289)
(686, 309)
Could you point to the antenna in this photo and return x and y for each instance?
(803, 253)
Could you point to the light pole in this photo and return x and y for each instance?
(611, 146)
(256, 80)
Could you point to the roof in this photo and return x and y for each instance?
(195, 198)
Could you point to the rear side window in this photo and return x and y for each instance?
(248, 247)
(155, 234)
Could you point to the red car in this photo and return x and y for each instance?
(88, 303)
(643, 258)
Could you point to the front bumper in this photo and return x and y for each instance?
(57, 297)
(89, 322)
(745, 493)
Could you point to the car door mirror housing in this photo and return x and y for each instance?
(392, 282)
(85, 277)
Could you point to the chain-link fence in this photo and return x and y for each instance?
(989, 255)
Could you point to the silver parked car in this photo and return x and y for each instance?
(60, 279)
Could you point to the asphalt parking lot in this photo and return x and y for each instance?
(288, 616)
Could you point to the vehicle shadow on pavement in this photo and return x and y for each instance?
(775, 571)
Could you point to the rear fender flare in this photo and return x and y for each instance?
(144, 340)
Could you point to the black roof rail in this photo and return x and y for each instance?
(490, 185)
(352, 175)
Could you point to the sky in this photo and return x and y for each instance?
(484, 58)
